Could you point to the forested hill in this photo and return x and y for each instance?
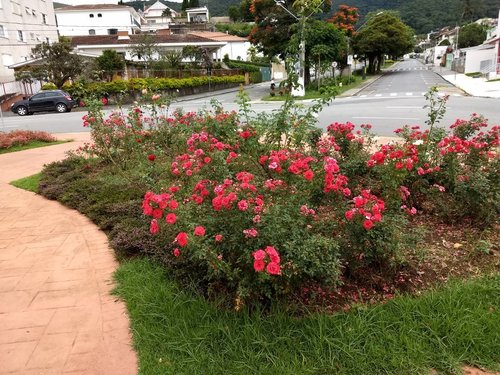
(422, 15)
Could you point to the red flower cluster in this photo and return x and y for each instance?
(269, 255)
(154, 204)
(369, 207)
(334, 181)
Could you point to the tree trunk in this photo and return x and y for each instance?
(371, 64)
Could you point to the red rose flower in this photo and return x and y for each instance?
(171, 218)
(199, 231)
(308, 175)
(368, 224)
(259, 265)
(176, 252)
(182, 239)
(154, 227)
(273, 268)
(151, 157)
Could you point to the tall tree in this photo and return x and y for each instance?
(274, 25)
(471, 35)
(194, 3)
(234, 13)
(325, 43)
(383, 34)
(58, 63)
(185, 5)
(145, 48)
(110, 62)
(345, 19)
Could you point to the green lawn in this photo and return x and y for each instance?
(315, 94)
(30, 145)
(177, 333)
(28, 183)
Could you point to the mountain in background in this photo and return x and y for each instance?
(422, 15)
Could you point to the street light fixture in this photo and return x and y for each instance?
(301, 89)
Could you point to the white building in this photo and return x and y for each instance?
(23, 25)
(197, 15)
(235, 47)
(100, 19)
(156, 18)
(123, 43)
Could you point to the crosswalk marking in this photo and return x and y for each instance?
(400, 94)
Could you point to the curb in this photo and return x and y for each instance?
(362, 87)
(454, 85)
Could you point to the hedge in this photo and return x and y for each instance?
(151, 84)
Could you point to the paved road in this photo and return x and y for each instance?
(395, 99)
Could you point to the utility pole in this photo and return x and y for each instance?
(301, 89)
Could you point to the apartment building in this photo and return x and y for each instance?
(98, 19)
(23, 25)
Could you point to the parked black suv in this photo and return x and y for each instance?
(47, 100)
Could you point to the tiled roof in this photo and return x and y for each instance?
(219, 36)
(93, 7)
(135, 38)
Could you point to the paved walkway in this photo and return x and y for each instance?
(56, 313)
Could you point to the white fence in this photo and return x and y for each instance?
(17, 87)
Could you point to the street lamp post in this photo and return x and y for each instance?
(301, 89)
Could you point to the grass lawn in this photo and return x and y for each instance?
(314, 94)
(28, 183)
(177, 333)
(30, 145)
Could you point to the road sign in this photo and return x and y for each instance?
(349, 60)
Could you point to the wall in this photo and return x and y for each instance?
(72, 23)
(234, 49)
(27, 17)
(474, 58)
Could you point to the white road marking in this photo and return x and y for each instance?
(363, 96)
(409, 94)
(378, 94)
(393, 94)
(386, 118)
(404, 107)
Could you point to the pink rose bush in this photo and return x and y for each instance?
(257, 209)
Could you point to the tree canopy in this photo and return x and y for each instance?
(58, 63)
(383, 34)
(471, 35)
(110, 62)
(145, 49)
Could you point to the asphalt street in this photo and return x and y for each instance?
(393, 100)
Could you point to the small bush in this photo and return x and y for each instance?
(49, 86)
(23, 137)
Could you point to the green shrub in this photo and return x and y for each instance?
(49, 86)
(255, 207)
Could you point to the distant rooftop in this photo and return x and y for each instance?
(93, 7)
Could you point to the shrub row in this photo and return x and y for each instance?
(22, 137)
(81, 90)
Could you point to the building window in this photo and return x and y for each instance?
(7, 60)
(3, 33)
(20, 36)
(91, 15)
(47, 40)
(99, 15)
(16, 8)
(112, 31)
(44, 18)
(91, 32)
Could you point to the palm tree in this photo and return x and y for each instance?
(167, 13)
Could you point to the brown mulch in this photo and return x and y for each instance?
(447, 251)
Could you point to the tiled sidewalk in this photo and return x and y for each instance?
(56, 313)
